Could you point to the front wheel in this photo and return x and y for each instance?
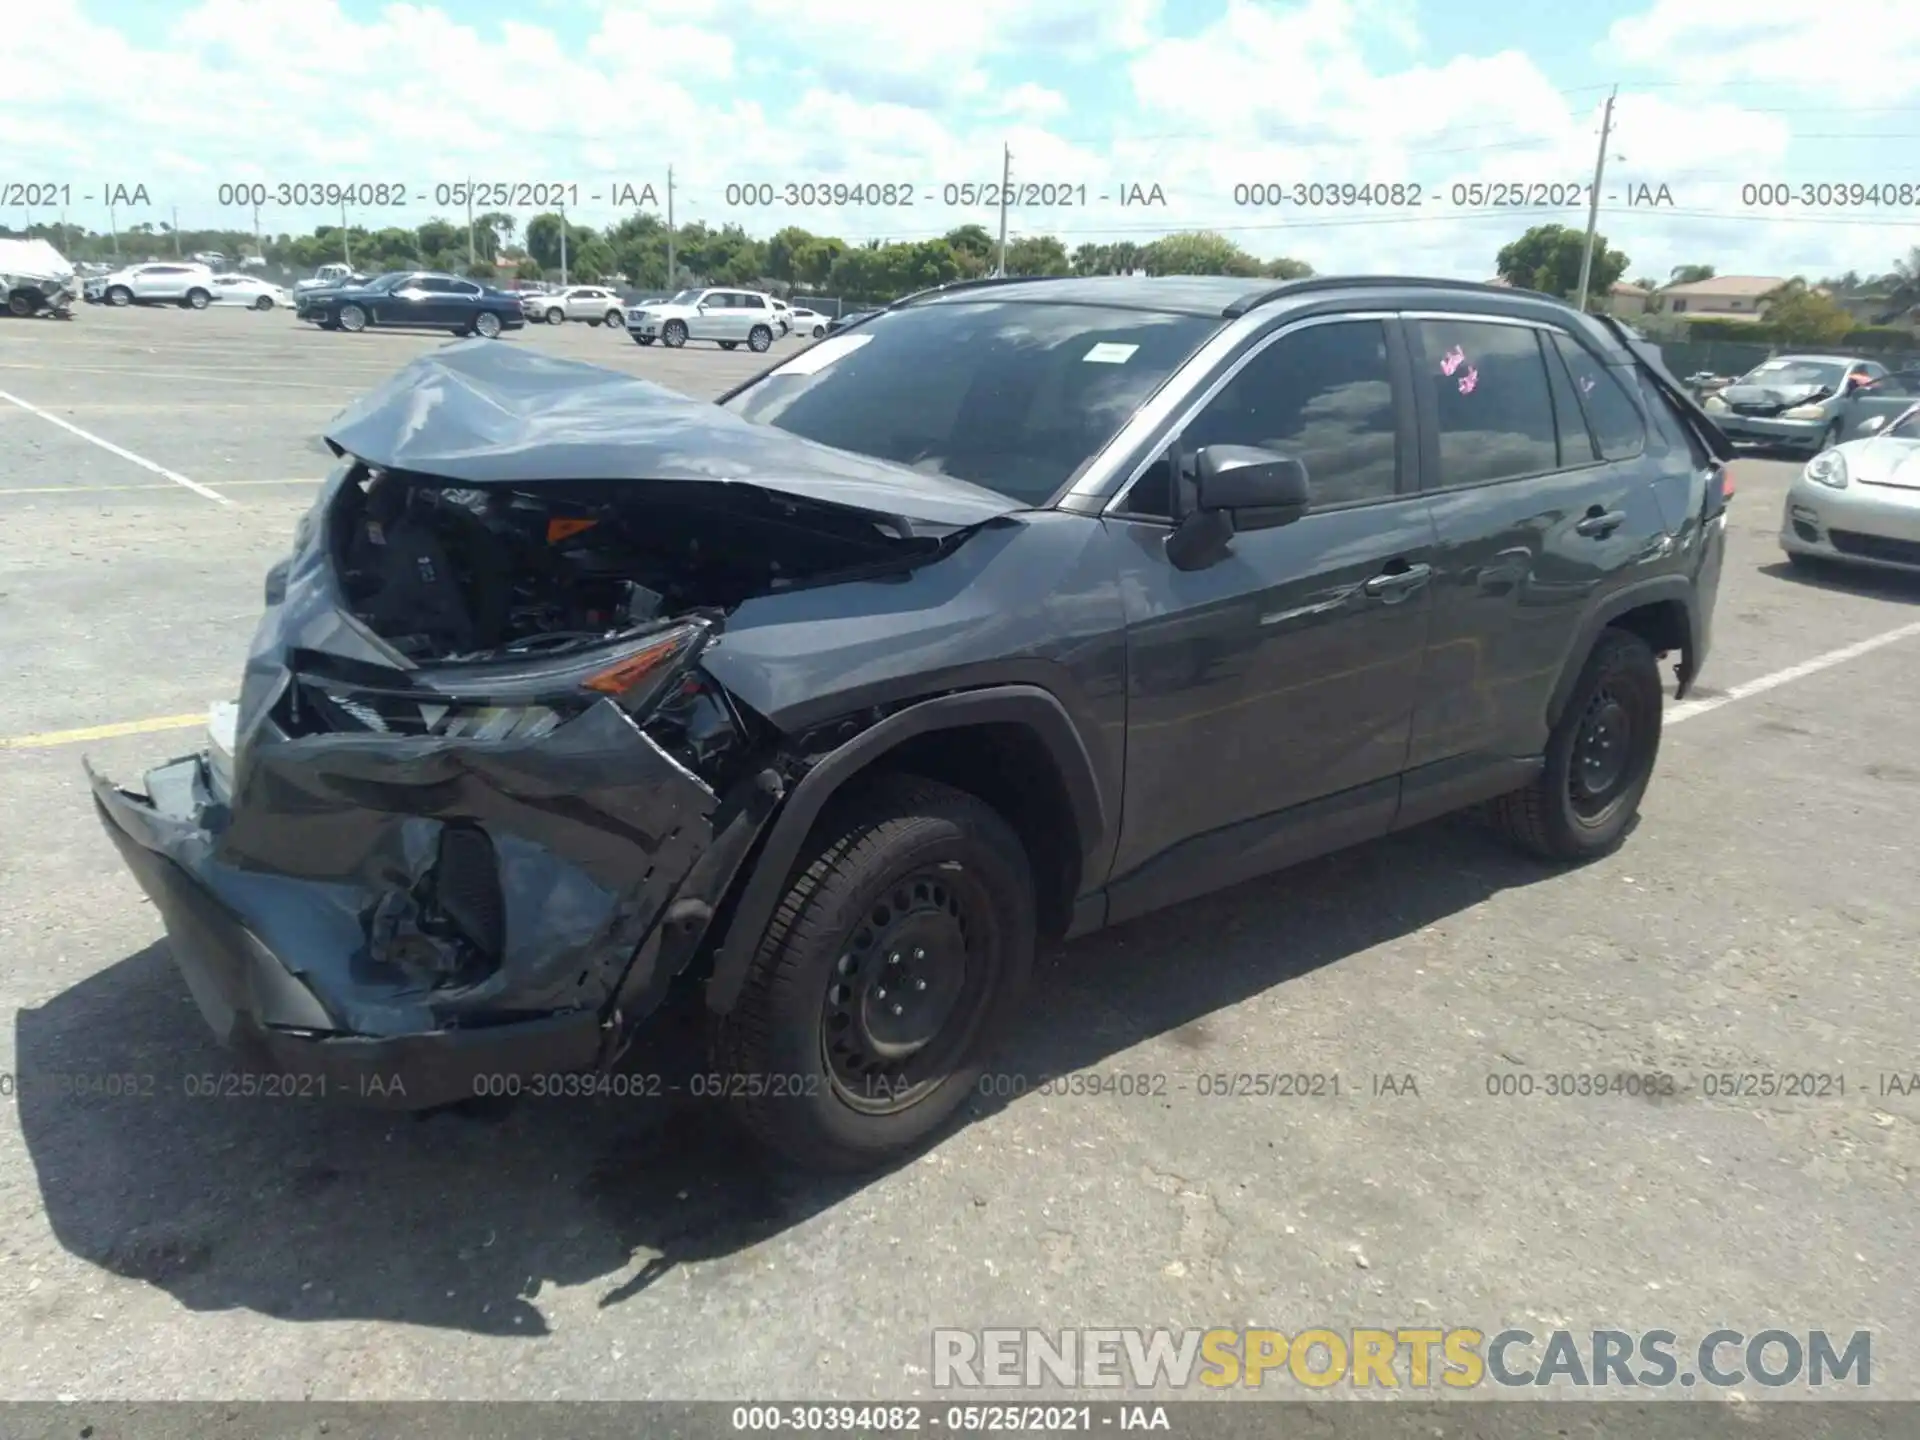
(20, 303)
(119, 295)
(819, 332)
(643, 339)
(265, 302)
(487, 325)
(898, 955)
(614, 317)
(759, 339)
(556, 316)
(197, 300)
(673, 334)
(1599, 758)
(352, 319)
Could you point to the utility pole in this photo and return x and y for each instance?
(563, 246)
(669, 230)
(113, 229)
(259, 250)
(1006, 183)
(470, 261)
(176, 232)
(346, 240)
(1593, 200)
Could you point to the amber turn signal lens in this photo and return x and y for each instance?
(619, 678)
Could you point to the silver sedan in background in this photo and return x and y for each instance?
(1859, 502)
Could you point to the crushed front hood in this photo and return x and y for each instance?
(486, 413)
(1781, 395)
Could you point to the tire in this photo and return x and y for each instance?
(760, 339)
(265, 302)
(1584, 800)
(673, 334)
(615, 318)
(19, 303)
(352, 319)
(904, 862)
(119, 295)
(197, 299)
(729, 344)
(487, 325)
(643, 339)
(819, 332)
(556, 316)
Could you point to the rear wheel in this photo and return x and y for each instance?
(486, 325)
(197, 299)
(1599, 758)
(556, 316)
(819, 331)
(352, 319)
(729, 344)
(759, 339)
(614, 317)
(897, 957)
(20, 303)
(673, 334)
(265, 302)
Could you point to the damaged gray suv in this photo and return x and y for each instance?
(1014, 610)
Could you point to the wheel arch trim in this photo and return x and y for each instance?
(1663, 589)
(1027, 705)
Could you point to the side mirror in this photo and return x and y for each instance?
(1246, 478)
(1236, 487)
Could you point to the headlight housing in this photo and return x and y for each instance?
(509, 701)
(1714, 405)
(1805, 412)
(1828, 468)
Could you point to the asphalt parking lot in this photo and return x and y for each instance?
(1761, 921)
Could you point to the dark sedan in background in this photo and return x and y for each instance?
(413, 299)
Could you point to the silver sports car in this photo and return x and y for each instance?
(1860, 502)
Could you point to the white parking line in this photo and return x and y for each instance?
(113, 449)
(1687, 709)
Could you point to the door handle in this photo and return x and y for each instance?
(1599, 524)
(1393, 584)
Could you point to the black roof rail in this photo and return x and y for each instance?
(980, 283)
(1255, 299)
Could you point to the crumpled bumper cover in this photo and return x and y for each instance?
(403, 919)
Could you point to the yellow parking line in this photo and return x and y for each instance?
(49, 738)
(115, 489)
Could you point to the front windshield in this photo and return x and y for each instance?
(686, 297)
(1794, 373)
(1014, 396)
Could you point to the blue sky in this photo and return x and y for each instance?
(1196, 96)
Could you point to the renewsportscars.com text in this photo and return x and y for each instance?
(1387, 1359)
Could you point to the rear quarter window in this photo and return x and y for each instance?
(1615, 420)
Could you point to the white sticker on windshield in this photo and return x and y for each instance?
(1107, 354)
(816, 358)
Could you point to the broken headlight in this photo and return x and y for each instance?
(514, 701)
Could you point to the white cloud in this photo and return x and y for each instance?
(882, 91)
(1779, 42)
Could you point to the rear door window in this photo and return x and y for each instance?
(1492, 405)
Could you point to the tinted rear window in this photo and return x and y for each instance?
(1015, 397)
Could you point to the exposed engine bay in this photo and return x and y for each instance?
(448, 574)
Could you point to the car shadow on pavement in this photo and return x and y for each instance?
(1848, 579)
(306, 1210)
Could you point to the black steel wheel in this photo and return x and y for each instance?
(1599, 760)
(897, 957)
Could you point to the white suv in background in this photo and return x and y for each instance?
(729, 318)
(179, 281)
(592, 303)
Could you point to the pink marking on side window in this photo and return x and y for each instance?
(1469, 380)
(1452, 360)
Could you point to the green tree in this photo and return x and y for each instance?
(1689, 274)
(1037, 255)
(1547, 259)
(1197, 252)
(1285, 269)
(527, 268)
(1801, 316)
